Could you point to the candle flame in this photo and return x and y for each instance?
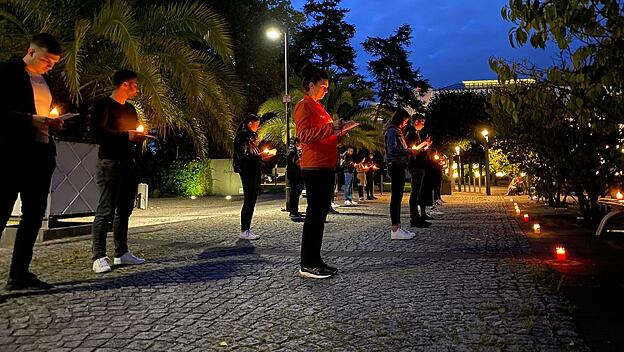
(436, 157)
(413, 147)
(54, 113)
(560, 250)
(536, 228)
(140, 128)
(619, 195)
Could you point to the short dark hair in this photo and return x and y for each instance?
(399, 116)
(311, 74)
(45, 40)
(123, 76)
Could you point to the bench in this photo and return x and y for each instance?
(617, 207)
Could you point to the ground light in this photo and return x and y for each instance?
(525, 217)
(561, 253)
(193, 197)
(228, 197)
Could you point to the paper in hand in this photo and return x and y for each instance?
(349, 126)
(68, 116)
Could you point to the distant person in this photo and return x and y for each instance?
(348, 167)
(293, 170)
(370, 176)
(397, 155)
(318, 134)
(516, 186)
(114, 124)
(247, 163)
(360, 169)
(27, 153)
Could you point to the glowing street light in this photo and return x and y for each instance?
(274, 33)
(485, 135)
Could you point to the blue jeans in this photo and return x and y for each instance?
(348, 192)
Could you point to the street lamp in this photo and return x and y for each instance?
(460, 170)
(485, 135)
(275, 34)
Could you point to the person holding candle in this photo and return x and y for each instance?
(318, 134)
(348, 168)
(293, 170)
(247, 163)
(27, 152)
(397, 156)
(115, 124)
(418, 167)
(370, 174)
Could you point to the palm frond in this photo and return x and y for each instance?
(116, 23)
(73, 60)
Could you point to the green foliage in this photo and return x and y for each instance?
(566, 128)
(500, 163)
(397, 81)
(188, 179)
(181, 50)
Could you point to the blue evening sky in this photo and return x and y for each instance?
(452, 39)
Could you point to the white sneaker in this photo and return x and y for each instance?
(101, 265)
(401, 234)
(348, 203)
(249, 235)
(129, 259)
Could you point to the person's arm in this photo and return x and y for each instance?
(12, 119)
(392, 146)
(309, 128)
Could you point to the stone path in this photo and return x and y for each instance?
(465, 284)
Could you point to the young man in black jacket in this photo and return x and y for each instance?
(27, 152)
(115, 125)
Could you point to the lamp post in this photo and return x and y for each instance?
(275, 34)
(459, 170)
(485, 135)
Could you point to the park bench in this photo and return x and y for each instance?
(617, 207)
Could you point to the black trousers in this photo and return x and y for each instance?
(416, 195)
(369, 184)
(319, 189)
(117, 183)
(296, 187)
(397, 177)
(27, 172)
(251, 188)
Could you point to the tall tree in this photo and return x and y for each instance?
(327, 41)
(398, 83)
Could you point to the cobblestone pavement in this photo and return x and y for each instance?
(465, 284)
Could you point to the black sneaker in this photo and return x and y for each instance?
(427, 217)
(297, 218)
(331, 269)
(420, 224)
(315, 273)
(30, 282)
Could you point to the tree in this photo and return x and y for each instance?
(453, 116)
(327, 40)
(398, 84)
(575, 107)
(182, 52)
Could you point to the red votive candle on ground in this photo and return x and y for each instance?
(561, 253)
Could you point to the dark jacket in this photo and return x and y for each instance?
(293, 157)
(347, 163)
(246, 153)
(110, 123)
(396, 148)
(17, 106)
(419, 159)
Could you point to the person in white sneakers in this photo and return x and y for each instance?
(114, 124)
(397, 154)
(247, 162)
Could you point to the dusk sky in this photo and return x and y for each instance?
(452, 39)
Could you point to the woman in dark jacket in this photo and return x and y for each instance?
(248, 164)
(397, 155)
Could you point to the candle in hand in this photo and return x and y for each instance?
(140, 128)
(54, 113)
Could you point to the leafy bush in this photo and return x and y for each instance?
(188, 179)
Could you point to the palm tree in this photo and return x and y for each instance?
(340, 104)
(182, 52)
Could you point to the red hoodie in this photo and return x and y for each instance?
(315, 131)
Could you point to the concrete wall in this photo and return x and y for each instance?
(225, 182)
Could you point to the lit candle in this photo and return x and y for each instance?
(436, 157)
(525, 217)
(414, 147)
(561, 253)
(266, 151)
(536, 228)
(619, 195)
(511, 200)
(140, 128)
(54, 113)
(517, 211)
